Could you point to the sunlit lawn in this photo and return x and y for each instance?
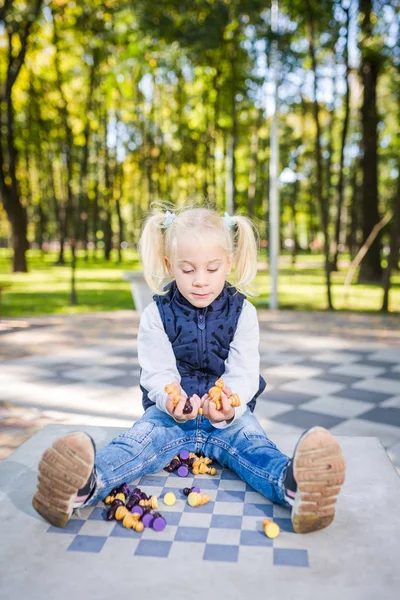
(46, 288)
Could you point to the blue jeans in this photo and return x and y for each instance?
(156, 438)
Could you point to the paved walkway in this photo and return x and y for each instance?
(341, 371)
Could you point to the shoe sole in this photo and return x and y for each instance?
(319, 469)
(64, 469)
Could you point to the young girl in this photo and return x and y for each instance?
(198, 329)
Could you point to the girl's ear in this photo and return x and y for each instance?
(169, 266)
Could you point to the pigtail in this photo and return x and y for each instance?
(245, 255)
(151, 249)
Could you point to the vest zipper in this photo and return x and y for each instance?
(201, 324)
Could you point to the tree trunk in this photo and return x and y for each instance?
(67, 148)
(83, 207)
(340, 187)
(53, 193)
(318, 155)
(9, 188)
(370, 269)
(330, 144)
(215, 87)
(293, 197)
(107, 225)
(354, 211)
(393, 253)
(234, 130)
(254, 143)
(119, 179)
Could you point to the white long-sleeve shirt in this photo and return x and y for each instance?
(158, 362)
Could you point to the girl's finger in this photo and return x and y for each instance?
(227, 390)
(195, 402)
(169, 405)
(204, 398)
(178, 412)
(206, 407)
(226, 405)
(227, 410)
(215, 415)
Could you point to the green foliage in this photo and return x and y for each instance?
(121, 103)
(46, 288)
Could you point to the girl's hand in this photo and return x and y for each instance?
(210, 411)
(177, 411)
(227, 390)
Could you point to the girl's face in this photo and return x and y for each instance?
(200, 268)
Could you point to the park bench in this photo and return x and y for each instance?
(141, 293)
(217, 551)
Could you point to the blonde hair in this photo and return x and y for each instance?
(159, 240)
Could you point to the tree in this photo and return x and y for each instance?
(18, 31)
(340, 186)
(371, 64)
(321, 195)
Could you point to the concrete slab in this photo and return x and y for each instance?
(215, 553)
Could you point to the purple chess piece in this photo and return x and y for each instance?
(111, 511)
(188, 408)
(147, 520)
(134, 499)
(159, 522)
(174, 464)
(124, 489)
(184, 454)
(183, 471)
(187, 491)
(136, 508)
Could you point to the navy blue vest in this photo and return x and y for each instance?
(200, 338)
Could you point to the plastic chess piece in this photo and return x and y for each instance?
(196, 499)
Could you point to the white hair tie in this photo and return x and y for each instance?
(169, 219)
(228, 220)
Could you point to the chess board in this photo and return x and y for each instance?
(226, 529)
(214, 551)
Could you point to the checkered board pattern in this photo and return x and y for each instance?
(349, 389)
(227, 529)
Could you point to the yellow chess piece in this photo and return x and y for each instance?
(234, 399)
(196, 499)
(152, 502)
(169, 499)
(202, 468)
(129, 520)
(121, 512)
(215, 394)
(171, 389)
(271, 529)
(200, 460)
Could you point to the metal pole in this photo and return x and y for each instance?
(273, 169)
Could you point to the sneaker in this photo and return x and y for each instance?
(313, 479)
(66, 477)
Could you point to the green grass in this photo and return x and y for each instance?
(46, 288)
